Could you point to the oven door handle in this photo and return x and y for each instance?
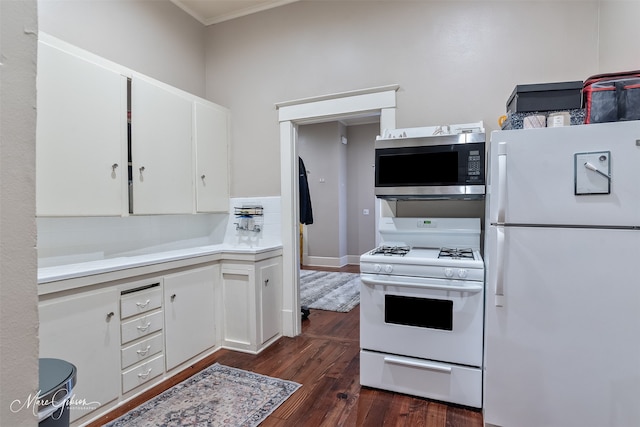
(374, 282)
(417, 364)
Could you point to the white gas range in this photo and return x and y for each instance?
(421, 310)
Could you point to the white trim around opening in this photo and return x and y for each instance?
(377, 101)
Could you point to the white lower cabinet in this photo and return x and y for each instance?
(190, 326)
(270, 297)
(252, 304)
(127, 336)
(84, 329)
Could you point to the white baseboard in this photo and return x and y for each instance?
(320, 261)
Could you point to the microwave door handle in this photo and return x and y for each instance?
(502, 181)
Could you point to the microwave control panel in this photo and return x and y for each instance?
(473, 163)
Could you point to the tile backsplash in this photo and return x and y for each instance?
(270, 230)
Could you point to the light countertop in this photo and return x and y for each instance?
(107, 265)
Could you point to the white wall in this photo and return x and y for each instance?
(455, 61)
(18, 294)
(155, 38)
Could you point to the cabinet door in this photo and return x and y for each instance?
(84, 331)
(211, 140)
(270, 304)
(239, 296)
(189, 314)
(80, 136)
(161, 149)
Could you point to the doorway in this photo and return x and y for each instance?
(339, 158)
(380, 101)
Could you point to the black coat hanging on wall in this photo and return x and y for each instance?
(306, 213)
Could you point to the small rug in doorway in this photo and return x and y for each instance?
(217, 396)
(329, 290)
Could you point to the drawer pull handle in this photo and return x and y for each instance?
(110, 315)
(173, 297)
(144, 328)
(144, 352)
(417, 364)
(143, 304)
(145, 375)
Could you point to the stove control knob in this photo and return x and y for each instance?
(388, 268)
(377, 268)
(462, 273)
(448, 272)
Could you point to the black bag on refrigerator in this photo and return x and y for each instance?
(612, 97)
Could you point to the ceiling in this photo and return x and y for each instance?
(214, 11)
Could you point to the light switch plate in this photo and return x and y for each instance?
(592, 173)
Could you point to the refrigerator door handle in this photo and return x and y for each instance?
(502, 181)
(499, 290)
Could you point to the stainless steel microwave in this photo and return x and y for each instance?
(443, 166)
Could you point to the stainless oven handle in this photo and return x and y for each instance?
(369, 281)
(417, 364)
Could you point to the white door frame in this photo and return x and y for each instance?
(373, 101)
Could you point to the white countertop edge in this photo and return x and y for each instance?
(91, 268)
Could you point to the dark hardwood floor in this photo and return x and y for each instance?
(325, 360)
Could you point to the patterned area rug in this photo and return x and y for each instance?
(217, 396)
(331, 291)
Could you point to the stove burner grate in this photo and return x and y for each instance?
(391, 250)
(456, 253)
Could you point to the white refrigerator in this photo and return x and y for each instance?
(562, 253)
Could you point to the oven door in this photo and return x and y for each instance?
(435, 319)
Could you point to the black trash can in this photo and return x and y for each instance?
(57, 379)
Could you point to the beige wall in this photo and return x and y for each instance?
(340, 228)
(360, 191)
(323, 153)
(619, 33)
(454, 61)
(18, 294)
(155, 38)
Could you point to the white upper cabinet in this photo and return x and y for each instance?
(90, 162)
(161, 149)
(211, 128)
(80, 136)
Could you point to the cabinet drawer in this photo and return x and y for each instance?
(418, 377)
(140, 374)
(141, 326)
(142, 350)
(140, 302)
